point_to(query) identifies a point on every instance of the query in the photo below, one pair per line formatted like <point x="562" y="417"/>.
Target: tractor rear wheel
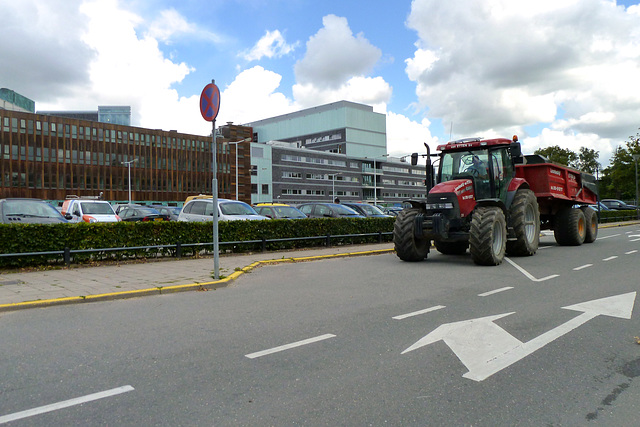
<point x="451" y="248"/>
<point x="524" y="217"/>
<point x="591" y="221"/>
<point x="488" y="237"/>
<point x="408" y="246"/>
<point x="570" y="227"/>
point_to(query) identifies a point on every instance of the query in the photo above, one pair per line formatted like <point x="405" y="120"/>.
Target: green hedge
<point x="615" y="216"/>
<point x="25" y="238"/>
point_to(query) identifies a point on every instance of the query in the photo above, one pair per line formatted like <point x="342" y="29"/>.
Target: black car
<point x="171" y="211"/>
<point x="618" y="205"/>
<point x="28" y="211"/>
<point x="141" y="213"/>
<point x="367" y="210"/>
<point x="328" y="210"/>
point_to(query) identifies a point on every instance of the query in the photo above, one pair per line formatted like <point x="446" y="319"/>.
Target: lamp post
<point x="333" y="189"/>
<point x="375" y="188"/>
<point x="129" y="172"/>
<point x="236" y="144"/>
<point x="635" y="159"/>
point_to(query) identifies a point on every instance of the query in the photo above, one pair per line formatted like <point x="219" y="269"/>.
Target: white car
<point x="83" y="210"/>
<point x="228" y="210"/>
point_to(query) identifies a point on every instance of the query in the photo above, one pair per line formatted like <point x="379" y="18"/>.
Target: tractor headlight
<point x="432" y="206"/>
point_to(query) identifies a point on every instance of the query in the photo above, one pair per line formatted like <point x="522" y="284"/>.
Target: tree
<point x="621" y="174"/>
<point x="588" y="160"/>
<point x="556" y="154"/>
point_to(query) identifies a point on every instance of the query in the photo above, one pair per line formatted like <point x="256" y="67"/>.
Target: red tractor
<point x="494" y="201"/>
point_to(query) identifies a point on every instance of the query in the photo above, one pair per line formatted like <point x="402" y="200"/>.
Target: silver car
<point x="228" y="210"/>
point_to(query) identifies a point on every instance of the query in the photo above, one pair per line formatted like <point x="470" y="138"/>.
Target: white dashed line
<point x="495" y="291"/>
<point x="64" y="404"/>
<point x="583" y="267"/>
<point x="289" y="346"/>
<point x="610" y="258"/>
<point x="607" y="237"/>
<point x="631" y="252"/>
<point x="416" y="313"/>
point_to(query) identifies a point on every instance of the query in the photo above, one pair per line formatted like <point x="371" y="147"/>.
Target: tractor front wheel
<point x="408" y="246"/>
<point x="488" y="237"/>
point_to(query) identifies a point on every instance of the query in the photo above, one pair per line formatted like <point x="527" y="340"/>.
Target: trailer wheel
<point x="409" y="247"/>
<point x="524" y="217"/>
<point x="591" y="221"/>
<point x="488" y="238"/>
<point x="451" y="248"/>
<point x="570" y="227"/>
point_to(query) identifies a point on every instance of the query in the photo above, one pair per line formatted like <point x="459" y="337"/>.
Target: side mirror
<point x="414" y="159"/>
<point x="516" y="150"/>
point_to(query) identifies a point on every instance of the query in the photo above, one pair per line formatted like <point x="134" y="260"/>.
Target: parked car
<point x="367" y="210"/>
<point x="279" y="211"/>
<point x="328" y="210"/>
<point x="28" y="211"/>
<point x="618" y="205"/>
<point x="392" y="210"/>
<point x="600" y="206"/>
<point x="141" y="213"/>
<point x="89" y="210"/>
<point x="228" y="210"/>
<point x="171" y="211"/>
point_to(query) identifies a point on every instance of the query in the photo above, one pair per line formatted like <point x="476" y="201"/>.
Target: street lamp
<point x="635" y="159"/>
<point x="236" y="144"/>
<point x="333" y="190"/>
<point x="375" y="189"/>
<point x="129" y="170"/>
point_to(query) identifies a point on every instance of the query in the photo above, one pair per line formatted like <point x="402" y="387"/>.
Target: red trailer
<point x="490" y="199"/>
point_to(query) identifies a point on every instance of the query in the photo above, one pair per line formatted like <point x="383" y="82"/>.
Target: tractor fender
<point x="491" y="202"/>
<point x="416" y="205"/>
<point x="515" y="185"/>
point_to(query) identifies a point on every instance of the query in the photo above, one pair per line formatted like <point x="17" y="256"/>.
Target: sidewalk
<point x="46" y="288"/>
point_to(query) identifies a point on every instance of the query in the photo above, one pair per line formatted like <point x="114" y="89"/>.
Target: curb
<point x="206" y="286"/>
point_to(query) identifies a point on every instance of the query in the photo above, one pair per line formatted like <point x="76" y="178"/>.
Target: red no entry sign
<point x="210" y="102"/>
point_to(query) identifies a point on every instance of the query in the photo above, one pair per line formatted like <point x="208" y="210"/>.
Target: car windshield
<point x="147" y="211"/>
<point x="93" y="208"/>
<point x="343" y="210"/>
<point x="30" y="208"/>
<point x="236" y="208"/>
<point x="288" y="212"/>
<point x="371" y="210"/>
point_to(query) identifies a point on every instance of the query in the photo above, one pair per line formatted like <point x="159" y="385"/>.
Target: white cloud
<point x="334" y="55"/>
<point x="405" y="136"/>
<point x="168" y="24"/>
<point x="500" y="65"/>
<point x="271" y="45"/>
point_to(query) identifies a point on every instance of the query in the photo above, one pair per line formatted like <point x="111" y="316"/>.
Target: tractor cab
<point x="488" y="164"/>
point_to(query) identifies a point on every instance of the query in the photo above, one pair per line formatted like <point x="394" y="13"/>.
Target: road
<point x="542" y="340"/>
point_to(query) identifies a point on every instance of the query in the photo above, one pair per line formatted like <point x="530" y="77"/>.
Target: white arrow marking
<point x="485" y="348"/>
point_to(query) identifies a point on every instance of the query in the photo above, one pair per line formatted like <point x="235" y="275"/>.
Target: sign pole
<point x="209" y="107"/>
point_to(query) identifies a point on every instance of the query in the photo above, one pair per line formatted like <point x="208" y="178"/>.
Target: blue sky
<point x="555" y="72"/>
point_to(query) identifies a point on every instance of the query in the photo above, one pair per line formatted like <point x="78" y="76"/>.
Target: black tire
<point x="451" y="248"/>
<point x="524" y="217"/>
<point x="488" y="237"/>
<point x="570" y="227"/>
<point x="408" y="247"/>
<point x="591" y="222"/>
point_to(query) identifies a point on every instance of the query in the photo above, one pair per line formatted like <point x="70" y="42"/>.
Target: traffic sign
<point x="210" y="102"/>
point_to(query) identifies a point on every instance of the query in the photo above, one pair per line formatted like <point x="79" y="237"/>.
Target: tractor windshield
<point x="486" y="168"/>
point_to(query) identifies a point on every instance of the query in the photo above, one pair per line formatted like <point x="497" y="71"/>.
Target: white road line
<point x="631" y="252"/>
<point x="495" y="291"/>
<point x="583" y="267"/>
<point x="606" y="237"/>
<point x="634" y="240"/>
<point x="610" y="258"/>
<point x="526" y="273"/>
<point x="64" y="404"/>
<point x="288" y="346"/>
<point x="416" y="313"/>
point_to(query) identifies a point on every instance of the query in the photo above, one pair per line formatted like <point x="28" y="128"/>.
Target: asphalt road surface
<point x="542" y="340"/>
